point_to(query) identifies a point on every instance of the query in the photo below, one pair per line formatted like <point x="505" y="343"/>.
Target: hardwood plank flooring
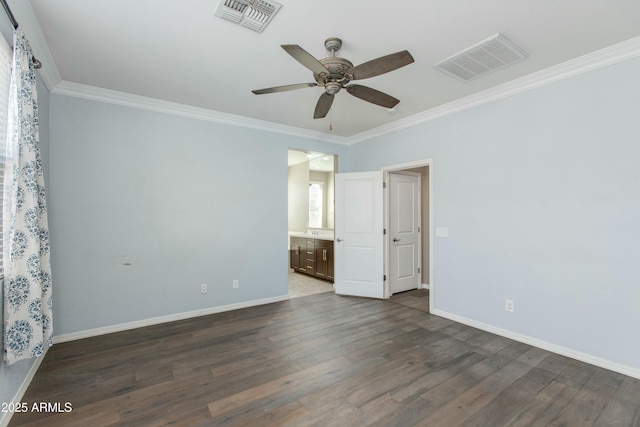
<point x="417" y="298"/>
<point x="323" y="360"/>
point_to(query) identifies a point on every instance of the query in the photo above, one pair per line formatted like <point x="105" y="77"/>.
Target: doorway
<point x="310" y="222"/>
<point x="362" y="241"/>
<point x="405" y="231"/>
<point x="423" y="169"/>
<point x="423" y="239"/>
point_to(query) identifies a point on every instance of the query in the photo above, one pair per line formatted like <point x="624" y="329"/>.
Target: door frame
<point x="398" y="168"/>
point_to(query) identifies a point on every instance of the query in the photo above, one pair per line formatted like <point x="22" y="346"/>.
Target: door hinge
<point x="418" y="229"/>
<point x="384" y="231"/>
<point x="418" y="269"/>
<point x="384" y="278"/>
<point x="384" y="184"/>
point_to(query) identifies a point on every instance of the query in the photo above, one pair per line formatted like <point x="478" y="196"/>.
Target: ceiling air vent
<point x="253" y="14"/>
<point x="492" y="54"/>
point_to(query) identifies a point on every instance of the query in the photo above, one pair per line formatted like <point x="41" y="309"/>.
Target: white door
<point x="359" y="262"/>
<point x="404" y="232"/>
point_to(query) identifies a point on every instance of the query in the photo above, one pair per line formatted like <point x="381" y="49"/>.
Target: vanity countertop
<point x="322" y="236"/>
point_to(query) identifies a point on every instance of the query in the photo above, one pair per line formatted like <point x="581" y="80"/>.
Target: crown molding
<point x="52" y="79"/>
<point x="605" y="57"/>
<point x="93" y="93"/>
<point x="49" y="73"/>
<point x="610" y="55"/>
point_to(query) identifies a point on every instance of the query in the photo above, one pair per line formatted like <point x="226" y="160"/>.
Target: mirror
<point x="311" y="182"/>
<point x="316" y="205"/>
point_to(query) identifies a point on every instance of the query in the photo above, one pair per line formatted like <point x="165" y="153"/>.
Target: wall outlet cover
<point x="509" y="305"/>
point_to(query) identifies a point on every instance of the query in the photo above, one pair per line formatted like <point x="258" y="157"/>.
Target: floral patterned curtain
<point x="27" y="283"/>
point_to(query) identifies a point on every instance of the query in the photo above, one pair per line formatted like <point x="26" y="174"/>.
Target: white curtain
<point x="27" y="286"/>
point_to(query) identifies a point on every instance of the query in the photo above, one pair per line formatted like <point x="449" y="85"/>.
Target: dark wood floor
<point x="417" y="298"/>
<point x="323" y="360"/>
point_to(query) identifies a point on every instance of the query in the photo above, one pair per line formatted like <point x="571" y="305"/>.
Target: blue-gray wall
<point x="541" y="195"/>
<point x="184" y="201"/>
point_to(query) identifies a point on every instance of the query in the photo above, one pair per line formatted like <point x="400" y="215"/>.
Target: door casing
<point x="387" y="241"/>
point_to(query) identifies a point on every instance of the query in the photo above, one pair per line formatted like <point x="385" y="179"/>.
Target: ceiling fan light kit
<point x="335" y="73"/>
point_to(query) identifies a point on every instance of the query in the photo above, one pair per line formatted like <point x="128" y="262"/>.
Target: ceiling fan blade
<point x="305" y="58"/>
<point x="381" y="65"/>
<point x="323" y="106"/>
<point x="283" y="88"/>
<point x="373" y="96"/>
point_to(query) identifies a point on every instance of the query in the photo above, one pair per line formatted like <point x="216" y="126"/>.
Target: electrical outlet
<point x="509" y="305"/>
<point x="235" y="284"/>
<point x="203" y="288"/>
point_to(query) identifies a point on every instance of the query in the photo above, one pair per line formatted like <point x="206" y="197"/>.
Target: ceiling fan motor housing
<point x="332" y="88"/>
<point x="336" y="79"/>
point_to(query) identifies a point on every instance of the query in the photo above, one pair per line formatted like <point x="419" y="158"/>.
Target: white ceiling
<point x="178" y="51"/>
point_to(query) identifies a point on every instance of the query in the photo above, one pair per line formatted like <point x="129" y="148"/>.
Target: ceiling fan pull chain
<point x="330" y="120"/>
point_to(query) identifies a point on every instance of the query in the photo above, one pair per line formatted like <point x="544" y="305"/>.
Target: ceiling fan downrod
<point x="333" y="44"/>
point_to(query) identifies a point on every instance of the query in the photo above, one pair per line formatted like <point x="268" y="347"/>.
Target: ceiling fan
<point x="335" y="73"/>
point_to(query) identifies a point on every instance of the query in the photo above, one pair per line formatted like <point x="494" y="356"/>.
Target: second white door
<point x="404" y="231"/>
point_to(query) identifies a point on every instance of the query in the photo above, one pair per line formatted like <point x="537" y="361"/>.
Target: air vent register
<point x="490" y="55"/>
<point x="253" y="14"/>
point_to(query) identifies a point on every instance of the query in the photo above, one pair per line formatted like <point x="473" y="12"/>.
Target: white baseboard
<point x="5" y="417"/>
<point x="163" y="319"/>
<point x="545" y="345"/>
<point x="425" y="286"/>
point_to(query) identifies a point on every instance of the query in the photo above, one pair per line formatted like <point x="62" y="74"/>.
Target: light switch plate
<point x="442" y="232"/>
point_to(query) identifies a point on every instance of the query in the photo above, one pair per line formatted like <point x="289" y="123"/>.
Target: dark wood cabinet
<point x="312" y="256"/>
<point x="324" y="259"/>
<point x="310" y="260"/>
<point x="298" y="253"/>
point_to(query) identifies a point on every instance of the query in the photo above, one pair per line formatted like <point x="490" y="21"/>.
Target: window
<point x="315" y="204"/>
<point x="6" y="59"/>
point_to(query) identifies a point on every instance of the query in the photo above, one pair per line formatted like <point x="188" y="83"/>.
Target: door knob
<point x="338" y="240"/>
<point x="395" y="239"/>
